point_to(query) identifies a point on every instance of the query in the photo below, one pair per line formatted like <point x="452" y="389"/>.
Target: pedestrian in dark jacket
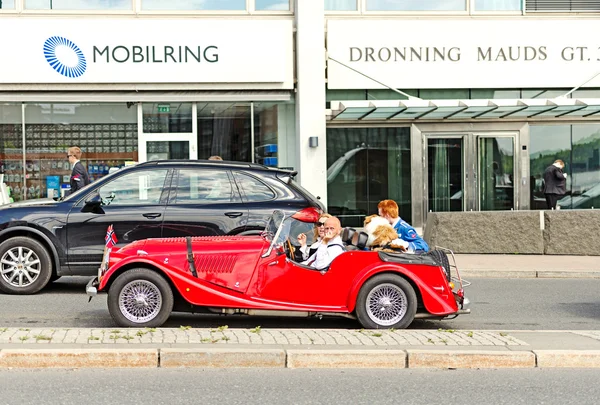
<point x="554" y="183"/>
<point x="79" y="175"/>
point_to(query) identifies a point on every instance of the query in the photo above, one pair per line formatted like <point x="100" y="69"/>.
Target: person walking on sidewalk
<point x="79" y="176"/>
<point x="554" y="183"/>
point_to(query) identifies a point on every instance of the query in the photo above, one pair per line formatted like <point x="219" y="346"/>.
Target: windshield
<point x="281" y="228"/>
<point x="273" y="225"/>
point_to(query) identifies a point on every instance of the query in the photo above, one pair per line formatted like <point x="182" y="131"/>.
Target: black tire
<point x="148" y="284"/>
<point x="378" y="288"/>
<point x="25" y="266"/>
<point x="442" y="259"/>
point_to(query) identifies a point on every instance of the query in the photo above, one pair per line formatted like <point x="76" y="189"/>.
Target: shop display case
<point x="44" y="171"/>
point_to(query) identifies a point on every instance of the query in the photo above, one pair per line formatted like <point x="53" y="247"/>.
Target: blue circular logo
<point x="71" y="70"/>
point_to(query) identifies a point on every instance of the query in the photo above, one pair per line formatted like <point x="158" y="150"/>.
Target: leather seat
<point x="347" y="234"/>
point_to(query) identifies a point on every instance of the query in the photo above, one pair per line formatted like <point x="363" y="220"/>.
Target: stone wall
<point x="564" y="232"/>
<point x="574" y="232"/>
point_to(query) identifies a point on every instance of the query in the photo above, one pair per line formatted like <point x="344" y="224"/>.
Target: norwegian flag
<point x="111" y="238"/>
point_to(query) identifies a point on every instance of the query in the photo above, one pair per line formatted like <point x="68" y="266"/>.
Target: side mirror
<point x="93" y="204"/>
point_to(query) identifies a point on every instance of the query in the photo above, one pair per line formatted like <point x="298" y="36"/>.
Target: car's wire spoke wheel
<point x="20" y="266"/>
<point x="386" y="304"/>
<point x="140" y="297"/>
<point x="386" y="301"/>
<point x="140" y="301"/>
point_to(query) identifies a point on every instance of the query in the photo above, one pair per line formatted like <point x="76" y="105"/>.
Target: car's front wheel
<point x="140" y="298"/>
<point x="386" y="301"/>
<point x="25" y="266"/>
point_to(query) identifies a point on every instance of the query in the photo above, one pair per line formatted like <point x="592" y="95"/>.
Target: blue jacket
<point x="408" y="234"/>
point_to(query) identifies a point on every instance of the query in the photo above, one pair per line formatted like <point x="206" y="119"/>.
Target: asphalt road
<point x="279" y="386"/>
<point x="523" y="304"/>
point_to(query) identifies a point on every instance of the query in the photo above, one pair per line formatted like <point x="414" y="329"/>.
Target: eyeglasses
<point x="319" y="224"/>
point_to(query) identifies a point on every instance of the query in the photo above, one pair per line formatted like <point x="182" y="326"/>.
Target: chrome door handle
<point x="234" y="214"/>
<point x="152" y="215"/>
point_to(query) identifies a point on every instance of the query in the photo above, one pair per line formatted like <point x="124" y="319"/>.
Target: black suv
<point x="41" y="240"/>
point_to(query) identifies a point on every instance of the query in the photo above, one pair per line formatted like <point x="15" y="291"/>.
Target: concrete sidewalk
<point x="295" y="348"/>
<point x="528" y="266"/>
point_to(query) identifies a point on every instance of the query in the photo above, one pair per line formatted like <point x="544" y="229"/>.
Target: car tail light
<point x="310" y="214"/>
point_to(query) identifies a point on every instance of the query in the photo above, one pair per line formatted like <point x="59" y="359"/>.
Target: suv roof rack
<point x="228" y="163"/>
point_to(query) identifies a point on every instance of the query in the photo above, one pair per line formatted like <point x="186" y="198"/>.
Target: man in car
<point x="330" y="248"/>
<point x="388" y="209"/>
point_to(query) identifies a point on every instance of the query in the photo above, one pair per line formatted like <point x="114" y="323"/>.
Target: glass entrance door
<point x="445" y="173"/>
<point x="496" y="169"/>
<point x="167" y="131"/>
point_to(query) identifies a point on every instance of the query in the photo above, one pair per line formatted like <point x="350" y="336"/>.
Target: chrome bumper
<point x="91" y="288"/>
<point x="466" y="303"/>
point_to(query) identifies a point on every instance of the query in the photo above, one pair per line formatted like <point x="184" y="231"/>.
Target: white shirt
<point x="325" y="254"/>
<point x="306" y="249"/>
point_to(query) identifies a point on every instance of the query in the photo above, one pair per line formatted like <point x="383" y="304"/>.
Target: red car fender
<point x="436" y="295"/>
<point x="128" y="260"/>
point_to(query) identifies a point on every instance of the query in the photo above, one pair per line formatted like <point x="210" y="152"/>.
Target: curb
<point x="346" y="359"/>
<point x="295" y="358"/>
<point x="469" y="359"/>
<point x="78" y="358"/>
<point x="491" y="273"/>
<point x="222" y="358"/>
<point x="567" y="358"/>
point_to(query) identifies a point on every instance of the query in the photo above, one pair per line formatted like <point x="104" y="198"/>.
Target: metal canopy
<point x="413" y="109"/>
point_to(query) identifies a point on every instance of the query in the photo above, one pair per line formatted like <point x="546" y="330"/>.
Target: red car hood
<point x="201" y="245"/>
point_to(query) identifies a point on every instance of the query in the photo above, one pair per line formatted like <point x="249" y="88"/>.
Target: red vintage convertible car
<point x="255" y="275"/>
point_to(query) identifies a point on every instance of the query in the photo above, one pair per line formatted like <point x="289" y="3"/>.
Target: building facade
<point x="441" y="105"/>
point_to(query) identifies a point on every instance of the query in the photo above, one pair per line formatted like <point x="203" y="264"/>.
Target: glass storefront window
<point x="340" y="5"/>
<point x="586" y="93"/>
<point x="207" y="5"/>
<point x="542" y="93"/>
<point x="365" y="166"/>
<point x="162" y="150"/>
<point x="416" y="5"/>
<point x="7" y="5"/>
<point x="78" y="4"/>
<point x="224" y="130"/>
<point x="106" y="133"/>
<point x="444" y="94"/>
<point x="445" y="174"/>
<point x="496" y="173"/>
<point x="497" y="5"/>
<point x="11" y="150"/>
<point x="494" y="93"/>
<point x="164" y="118"/>
<point x="579" y="147"/>
<point x="272" y="5"/>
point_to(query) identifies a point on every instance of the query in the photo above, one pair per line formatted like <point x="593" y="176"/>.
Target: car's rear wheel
<point x="386" y="301"/>
<point x="140" y="298"/>
<point x="25" y="266"/>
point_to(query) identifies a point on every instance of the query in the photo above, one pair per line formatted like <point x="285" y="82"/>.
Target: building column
<point x="310" y="96"/>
